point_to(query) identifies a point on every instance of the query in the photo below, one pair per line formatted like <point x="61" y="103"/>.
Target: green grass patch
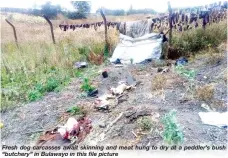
<point x="172" y="133"/>
<point x="192" y="41"/>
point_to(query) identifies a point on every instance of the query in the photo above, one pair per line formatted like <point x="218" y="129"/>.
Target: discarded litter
<point x="92" y="93"/>
<point x="105" y="74"/>
<point x="117" y="61"/>
<point x="214" y="118"/>
<point x="88" y="88"/>
<point x="102" y="125"/>
<point x="159" y="69"/>
<point x="131" y="81"/>
<point x="205" y="106"/>
<point x="80" y="65"/>
<point x="104" y="108"/>
<point x="181" y="61"/>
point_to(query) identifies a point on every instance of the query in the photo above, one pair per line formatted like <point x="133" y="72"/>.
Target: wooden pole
<point x="51" y="27"/>
<point x="105" y="24"/>
<point x="170" y="23"/>
<point x="14" y="31"/>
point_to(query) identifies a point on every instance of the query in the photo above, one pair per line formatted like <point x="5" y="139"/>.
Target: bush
<point x="205" y="92"/>
<point x="198" y="39"/>
<point x="158" y="82"/>
<point x="74" y="110"/>
<point x="52" y="84"/>
<point x="86" y="86"/>
<point x="145" y="123"/>
<point x="189" y="74"/>
<point x="172" y="133"/>
<point x="34" y="95"/>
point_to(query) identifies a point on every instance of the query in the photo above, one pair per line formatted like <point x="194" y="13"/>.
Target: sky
<point x="157" y="5"/>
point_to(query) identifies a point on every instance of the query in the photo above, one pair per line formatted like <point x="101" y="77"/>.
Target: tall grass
<point x="38" y="67"/>
<point x="34" y="69"/>
<point x="195" y="40"/>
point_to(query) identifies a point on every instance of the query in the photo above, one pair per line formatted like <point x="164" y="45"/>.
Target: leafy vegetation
<point x="31" y="71"/>
<point x="38" y="67"/>
<point x="74" y="110"/>
<point x="205" y="93"/>
<point x="86" y="86"/>
<point x="145" y="123"/>
<point x="172" y="134"/>
<point x="82" y="9"/>
<point x="193" y="41"/>
<point x="190" y="74"/>
<point x="158" y="82"/>
<point x="121" y="12"/>
<point x="50" y="10"/>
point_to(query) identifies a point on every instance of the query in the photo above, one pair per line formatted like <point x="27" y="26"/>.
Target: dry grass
<point x="36" y="29"/>
<point x="214" y="56"/>
<point x="145" y="123"/>
<point x="159" y="82"/>
<point x="205" y="93"/>
<point x="193" y="41"/>
<point x="37" y="59"/>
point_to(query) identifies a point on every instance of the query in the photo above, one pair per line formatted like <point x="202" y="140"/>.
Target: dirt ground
<point x="25" y="123"/>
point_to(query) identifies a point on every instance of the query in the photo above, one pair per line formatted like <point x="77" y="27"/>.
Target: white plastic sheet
<point x="137" y="50"/>
<point x="214" y="118"/>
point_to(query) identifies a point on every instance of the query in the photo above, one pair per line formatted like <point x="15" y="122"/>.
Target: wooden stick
<point x="167" y="32"/>
<point x="51" y="27"/>
<point x="14" y="31"/>
<point x="170" y="24"/>
<point x="113" y="122"/>
<point x="134" y="134"/>
<point x="105" y="24"/>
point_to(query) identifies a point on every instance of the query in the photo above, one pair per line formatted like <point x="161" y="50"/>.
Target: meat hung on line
<point x="65" y="27"/>
<point x="181" y="19"/>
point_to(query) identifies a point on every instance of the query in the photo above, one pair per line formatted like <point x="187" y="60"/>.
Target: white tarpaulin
<point x="137" y="50"/>
<point x="214" y="118"/>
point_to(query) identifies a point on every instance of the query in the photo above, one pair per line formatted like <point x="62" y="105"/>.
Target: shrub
<point x="52" y="84"/>
<point x="158" y="82"/>
<point x="172" y="134"/>
<point x="34" y="95"/>
<point x="86" y="86"/>
<point x="75" y="110"/>
<point x="214" y="56"/>
<point x="145" y="123"/>
<point x="205" y="92"/>
<point x="198" y="39"/>
<point x="189" y="74"/>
